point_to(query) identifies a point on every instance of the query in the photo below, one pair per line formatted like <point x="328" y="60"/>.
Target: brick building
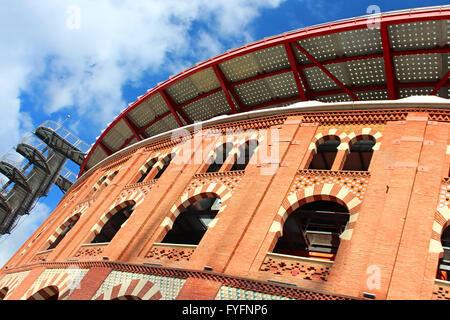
<point x="228" y="181"/>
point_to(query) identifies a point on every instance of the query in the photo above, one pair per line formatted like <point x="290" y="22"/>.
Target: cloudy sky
<point x="90" y="59"/>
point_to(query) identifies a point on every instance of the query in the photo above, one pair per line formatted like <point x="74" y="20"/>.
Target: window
<point x="150" y="165"/>
<point x="166" y="162"/>
<point x="113" y="225"/>
<point x="3" y="293"/>
<point x="47" y="293"/>
<point x="192" y="223"/>
<point x="103" y="182"/>
<point x="246" y="151"/>
<point x="221" y="155"/>
<point x="324" y="157"/>
<point x="313" y="230"/>
<point x="360" y="155"/>
<point x="63" y="233"/>
<point x="444" y="262"/>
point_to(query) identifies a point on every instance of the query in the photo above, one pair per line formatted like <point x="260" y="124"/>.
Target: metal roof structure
<point x="387" y="56"/>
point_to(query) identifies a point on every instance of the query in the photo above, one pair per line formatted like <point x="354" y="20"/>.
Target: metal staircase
<point x="37" y="162"/>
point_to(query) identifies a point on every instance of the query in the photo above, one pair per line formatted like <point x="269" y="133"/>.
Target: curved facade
<point x="339" y="200"/>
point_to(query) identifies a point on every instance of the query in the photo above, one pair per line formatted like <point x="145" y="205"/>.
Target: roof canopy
<point x="389" y="56"/>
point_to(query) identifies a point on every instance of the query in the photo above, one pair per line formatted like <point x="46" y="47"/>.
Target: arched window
<point x="360" y="155"/>
<point x="221" y="154"/>
<point x="99" y="183"/>
<point x="444" y="263"/>
<point x="192" y="223"/>
<point x="324" y="157"/>
<point x="246" y="151"/>
<point x="48" y="293"/>
<point x="3" y="293"/>
<point x="103" y="182"/>
<point x="63" y="233"/>
<point x="313" y="230"/>
<point x="166" y="161"/>
<point x="127" y="297"/>
<point x="113" y="225"/>
<point x="149" y="165"/>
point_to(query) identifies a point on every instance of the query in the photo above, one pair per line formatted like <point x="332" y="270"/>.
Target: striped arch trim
<point x="441" y="217"/>
<point x="106" y="179"/>
<point x="3" y="292"/>
<point x="187" y="199"/>
<point x="61" y="228"/>
<point x="213" y="154"/>
<point x="162" y="159"/>
<point x="326" y="191"/>
<point x="58" y="283"/>
<point x="365" y="133"/>
<point x="135" y="198"/>
<point x="131" y="290"/>
<point x="331" y="134"/>
<point x="149" y="163"/>
<point x="8" y="284"/>
<point x="346" y="139"/>
<point x="35" y="238"/>
<point x="237" y="145"/>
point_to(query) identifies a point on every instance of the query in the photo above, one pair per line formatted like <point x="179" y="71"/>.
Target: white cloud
<point x="24" y="229"/>
<point x="80" y="63"/>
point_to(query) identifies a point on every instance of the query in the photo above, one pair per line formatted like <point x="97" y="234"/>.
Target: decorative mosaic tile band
<point x="170" y="280"/>
<point x="10" y="281"/>
<point x="441" y="216"/>
<point x="296" y="268"/>
<point x="172" y="253"/>
<point x="230" y="180"/>
<point x="230" y="293"/>
<point x="355" y="181"/>
<point x="90" y="251"/>
<point x="65" y="280"/>
<point x="444" y="197"/>
<point x="441" y="291"/>
<point x="168" y="287"/>
<point x="349" y="128"/>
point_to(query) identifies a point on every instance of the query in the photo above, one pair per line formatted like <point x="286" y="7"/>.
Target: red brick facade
<point x="390" y="247"/>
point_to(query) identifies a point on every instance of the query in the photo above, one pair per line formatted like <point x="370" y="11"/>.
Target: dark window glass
<point x="63" y="234"/>
<point x="221" y="155"/>
<point x="313" y="230"/>
<point x="326" y="153"/>
<point x="192" y="223"/>
<point x="113" y="225"/>
<point x="360" y="155"/>
<point x="166" y="164"/>
<point x="245" y="154"/>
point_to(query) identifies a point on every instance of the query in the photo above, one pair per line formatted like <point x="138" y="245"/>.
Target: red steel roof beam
<point x="126" y="142"/>
<point x="388" y="62"/>
<point x="157" y="118"/>
<point x="325" y="70"/>
<point x="133" y="128"/>
<point x="440" y="84"/>
<point x="168" y="101"/>
<point x="199" y="97"/>
<point x="107" y="150"/>
<point x="293" y="63"/>
<point x="224" y="85"/>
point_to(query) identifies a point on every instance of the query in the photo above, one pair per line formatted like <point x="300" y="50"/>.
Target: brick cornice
<point x="227" y="280"/>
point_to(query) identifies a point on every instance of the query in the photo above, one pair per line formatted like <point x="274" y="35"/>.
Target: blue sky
<point x="90" y="59"/>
